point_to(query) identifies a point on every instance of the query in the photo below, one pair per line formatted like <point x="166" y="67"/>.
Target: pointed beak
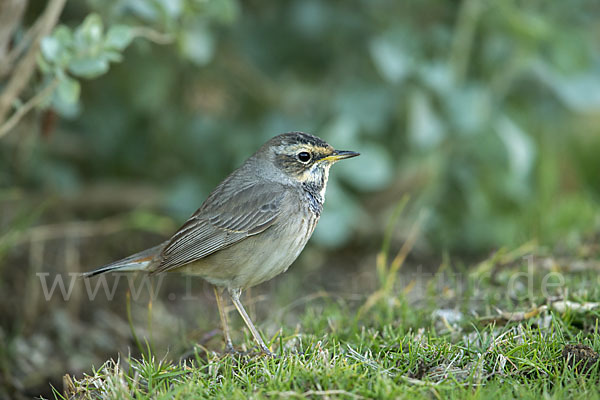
<point x="338" y="155"/>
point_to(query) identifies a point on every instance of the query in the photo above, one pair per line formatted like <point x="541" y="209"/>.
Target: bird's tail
<point x="136" y="262"/>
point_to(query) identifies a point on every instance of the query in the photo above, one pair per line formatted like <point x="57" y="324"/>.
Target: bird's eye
<point x="304" y="156"/>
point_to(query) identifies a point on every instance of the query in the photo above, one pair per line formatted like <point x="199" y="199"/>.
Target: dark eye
<point x="304" y="156"/>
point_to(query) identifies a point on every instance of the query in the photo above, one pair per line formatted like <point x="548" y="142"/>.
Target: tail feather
<point x="136" y="262"/>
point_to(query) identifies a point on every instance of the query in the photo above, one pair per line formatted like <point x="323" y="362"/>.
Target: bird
<point x="251" y="227"/>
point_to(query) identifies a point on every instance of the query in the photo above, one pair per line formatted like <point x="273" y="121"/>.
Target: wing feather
<point x="227" y="217"/>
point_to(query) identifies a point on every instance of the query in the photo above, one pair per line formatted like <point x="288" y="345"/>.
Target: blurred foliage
<point x="486" y="111"/>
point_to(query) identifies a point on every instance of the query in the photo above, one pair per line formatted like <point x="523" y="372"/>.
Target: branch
<point x="152" y="35"/>
<point x="11" y="13"/>
<point x="7" y="63"/>
<point x="31" y="103"/>
<point x="26" y="66"/>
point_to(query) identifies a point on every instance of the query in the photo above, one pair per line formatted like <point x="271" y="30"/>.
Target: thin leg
<point x="235" y="297"/>
<point x="223" y="315"/>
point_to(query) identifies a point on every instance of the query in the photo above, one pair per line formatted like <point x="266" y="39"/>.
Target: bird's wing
<point x="227" y="217"/>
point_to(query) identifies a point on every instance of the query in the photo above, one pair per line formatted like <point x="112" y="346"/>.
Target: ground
<point x="523" y="323"/>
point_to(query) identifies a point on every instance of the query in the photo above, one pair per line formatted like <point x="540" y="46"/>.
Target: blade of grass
<point x="131" y="327"/>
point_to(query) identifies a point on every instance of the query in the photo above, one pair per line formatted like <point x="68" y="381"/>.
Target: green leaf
<point x="198" y="45"/>
<point x="343" y="131"/>
<point x="373" y="170"/>
<point x="90" y="32"/>
<point x="43" y="64"/>
<point x="580" y="92"/>
<point x="519" y="147"/>
<point x="340" y="214"/>
<point x="112" y="55"/>
<point x="64" y="35"/>
<point x="426" y="130"/>
<point x="65" y="99"/>
<point x="50" y="48"/>
<point x="390" y="58"/>
<point x="57" y="47"/>
<point x="172" y="8"/>
<point x="145" y="10"/>
<point x="68" y="90"/>
<point x="477" y="100"/>
<point x="118" y="37"/>
<point x="89" y="67"/>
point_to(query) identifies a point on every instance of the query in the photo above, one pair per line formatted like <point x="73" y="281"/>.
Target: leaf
<point x="372" y="170"/>
<point x="424" y="127"/>
<point x="43" y="64"/>
<point x="90" y="31"/>
<point x="50" y="48"/>
<point x="470" y="108"/>
<point x="68" y="90"/>
<point x="65" y="99"/>
<point x="112" y="55"/>
<point x="337" y="218"/>
<point x="437" y="76"/>
<point x="172" y="8"/>
<point x="57" y="47"/>
<point x="391" y="59"/>
<point x="118" y="37"/>
<point x="89" y="67"/>
<point x="580" y="92"/>
<point x="519" y="147"/>
<point x="343" y="131"/>
<point x="197" y="45"/>
<point x="369" y="105"/>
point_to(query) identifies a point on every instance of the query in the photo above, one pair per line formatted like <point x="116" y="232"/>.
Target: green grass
<point x="481" y="339"/>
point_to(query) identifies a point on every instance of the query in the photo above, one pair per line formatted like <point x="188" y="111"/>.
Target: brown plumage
<point x="253" y="225"/>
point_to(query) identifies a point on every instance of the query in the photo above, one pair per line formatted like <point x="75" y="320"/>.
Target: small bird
<point x="252" y="226"/>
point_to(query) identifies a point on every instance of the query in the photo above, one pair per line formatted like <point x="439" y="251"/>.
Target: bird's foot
<point x="267" y="352"/>
<point x="229" y="349"/>
<point x="262" y="351"/>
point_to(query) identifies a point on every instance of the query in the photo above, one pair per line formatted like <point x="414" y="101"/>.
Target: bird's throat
<point x="315" y="190"/>
<point x="315" y="200"/>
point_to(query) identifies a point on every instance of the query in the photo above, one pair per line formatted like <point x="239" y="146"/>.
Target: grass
<point x="512" y="327"/>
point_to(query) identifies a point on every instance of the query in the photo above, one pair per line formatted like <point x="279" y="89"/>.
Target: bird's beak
<point x="338" y="155"/>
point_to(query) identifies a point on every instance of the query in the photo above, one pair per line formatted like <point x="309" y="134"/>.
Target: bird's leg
<point x="223" y="315"/>
<point x="235" y="297"/>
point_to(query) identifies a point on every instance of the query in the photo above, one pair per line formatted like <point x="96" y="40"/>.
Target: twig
<point x="26" y="66"/>
<point x="72" y="229"/>
<point x="10" y="58"/>
<point x="11" y="13"/>
<point x="153" y="35"/>
<point x="25" y="108"/>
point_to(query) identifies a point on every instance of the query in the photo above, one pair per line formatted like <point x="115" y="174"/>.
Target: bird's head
<point x="304" y="158"/>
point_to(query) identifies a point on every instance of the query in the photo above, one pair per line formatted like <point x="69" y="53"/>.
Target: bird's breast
<point x="279" y="246"/>
<point x="261" y="257"/>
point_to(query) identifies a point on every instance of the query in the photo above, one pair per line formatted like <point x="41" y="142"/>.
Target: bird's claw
<point x="267" y="352"/>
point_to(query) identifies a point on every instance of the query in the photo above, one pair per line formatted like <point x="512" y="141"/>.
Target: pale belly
<point x="257" y="258"/>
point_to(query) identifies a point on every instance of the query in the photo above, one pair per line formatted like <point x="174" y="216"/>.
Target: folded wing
<point x="227" y="217"/>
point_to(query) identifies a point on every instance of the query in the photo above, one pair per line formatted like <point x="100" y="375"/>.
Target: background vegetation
<point x="118" y="117"/>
